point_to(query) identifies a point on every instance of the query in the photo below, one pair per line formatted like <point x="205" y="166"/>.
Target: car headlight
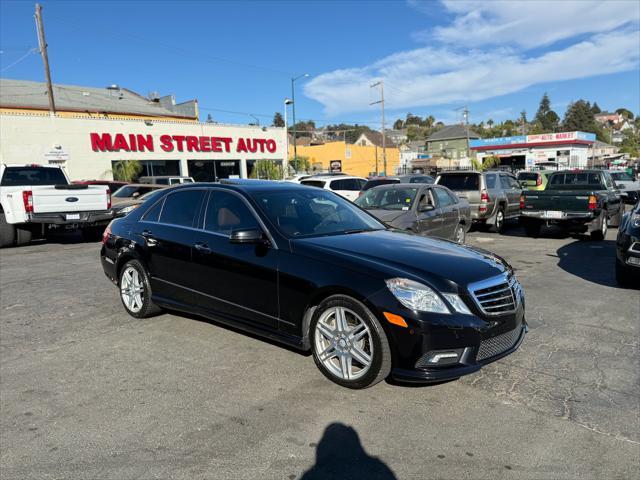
<point x="457" y="303"/>
<point x="635" y="219"/>
<point x="416" y="296"/>
<point x="128" y="209"/>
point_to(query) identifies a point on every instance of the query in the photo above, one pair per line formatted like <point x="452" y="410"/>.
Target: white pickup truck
<point x="37" y="198"/>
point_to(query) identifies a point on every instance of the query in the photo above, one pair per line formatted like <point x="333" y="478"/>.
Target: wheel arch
<point x="126" y="254"/>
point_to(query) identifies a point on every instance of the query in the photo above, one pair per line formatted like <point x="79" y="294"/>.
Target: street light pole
<point x="285" y="160"/>
<point x="293" y="102"/>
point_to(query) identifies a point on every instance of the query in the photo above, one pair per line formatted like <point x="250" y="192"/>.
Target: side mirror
<point x="247" y="236"/>
<point x="427" y="208"/>
<point x="523" y="184"/>
<point x="620" y="186"/>
<point x="135" y="195"/>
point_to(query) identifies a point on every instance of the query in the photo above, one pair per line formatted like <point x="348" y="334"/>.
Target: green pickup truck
<point x="578" y="200"/>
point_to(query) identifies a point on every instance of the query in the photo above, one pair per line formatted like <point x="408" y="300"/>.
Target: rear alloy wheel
<point x="601" y="233"/>
<point x="498" y="225"/>
<point x="349" y="345"/>
<point x="135" y="290"/>
<point x="459" y="235"/>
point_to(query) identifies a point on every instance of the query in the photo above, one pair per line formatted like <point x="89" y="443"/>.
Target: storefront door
<point x="213" y="170"/>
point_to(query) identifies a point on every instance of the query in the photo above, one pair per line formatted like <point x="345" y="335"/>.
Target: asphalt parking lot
<point x="88" y="392"/>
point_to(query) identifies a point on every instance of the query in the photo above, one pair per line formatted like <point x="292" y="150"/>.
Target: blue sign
<point x="490" y="142"/>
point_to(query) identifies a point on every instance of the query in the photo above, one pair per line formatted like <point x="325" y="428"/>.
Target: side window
<point x="227" y="212"/>
<point x="490" y="178"/>
<point x="153" y="214"/>
<point x="504" y="182"/>
<point x="453" y="197"/>
<point x="352" y="184"/>
<point x="514" y="183"/>
<point x="180" y="208"/>
<point x="608" y="181"/>
<point x="444" y="199"/>
<point x="337" y="185"/>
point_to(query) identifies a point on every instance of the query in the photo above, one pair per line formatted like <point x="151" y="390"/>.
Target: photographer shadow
<point x="340" y="455"/>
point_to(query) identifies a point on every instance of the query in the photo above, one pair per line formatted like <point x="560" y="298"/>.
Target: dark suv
<point x="493" y="196"/>
<point x="305" y="267"/>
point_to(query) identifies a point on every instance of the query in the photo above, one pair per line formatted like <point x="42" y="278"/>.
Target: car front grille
<point x="498" y="344"/>
<point x="497" y="295"/>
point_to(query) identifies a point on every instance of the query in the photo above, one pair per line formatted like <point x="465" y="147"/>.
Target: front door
<point x="512" y="190"/>
<point x="448" y="211"/>
<point x="429" y="217"/>
<point x="236" y="280"/>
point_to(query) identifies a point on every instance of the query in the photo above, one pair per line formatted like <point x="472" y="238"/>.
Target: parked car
<point x="577" y="200"/>
<point x="112" y="184"/>
<point x="629" y="188"/>
<point x="425" y="209"/>
<point x="128" y="205"/>
<point x="133" y="191"/>
<point x="628" y="248"/>
<point x="37" y="198"/>
<point x="298" y="178"/>
<point x="534" y="180"/>
<point x="376" y="181"/>
<point x="323" y="275"/>
<point x="493" y="196"/>
<point x="165" y="179"/>
<point x="344" y="185"/>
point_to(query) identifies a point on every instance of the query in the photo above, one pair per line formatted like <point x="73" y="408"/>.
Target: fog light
<point x="442" y="357"/>
<point x="634" y="261"/>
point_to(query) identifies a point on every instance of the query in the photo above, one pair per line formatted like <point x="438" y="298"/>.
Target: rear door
<point x="167" y="231"/>
<point x="448" y="212"/>
<point x="238" y="280"/>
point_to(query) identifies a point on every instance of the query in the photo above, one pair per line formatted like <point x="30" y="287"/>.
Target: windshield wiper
<point x="360" y="230"/>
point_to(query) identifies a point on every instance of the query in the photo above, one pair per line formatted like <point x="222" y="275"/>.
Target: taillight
<point x="27" y="199"/>
<point x="539" y="180"/>
<point x="484" y="198"/>
<point x="108" y="199"/>
<point x="106" y="234"/>
<point x="521" y="202"/>
<point x="593" y="202"/>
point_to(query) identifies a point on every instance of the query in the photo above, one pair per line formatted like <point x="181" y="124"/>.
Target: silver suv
<point x="493" y="196"/>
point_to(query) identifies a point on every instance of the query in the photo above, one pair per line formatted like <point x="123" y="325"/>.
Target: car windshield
<point x="311" y="213"/>
<point x="33" y="176"/>
<point x="381" y="181"/>
<point x="126" y="191"/>
<point x="388" y="198"/>
<point x="460" y="182"/>
<point x="621" y="176"/>
<point x="150" y="195"/>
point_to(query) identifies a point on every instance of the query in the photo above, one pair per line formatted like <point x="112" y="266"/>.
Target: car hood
<point x="387" y="216"/>
<point x="393" y="252"/>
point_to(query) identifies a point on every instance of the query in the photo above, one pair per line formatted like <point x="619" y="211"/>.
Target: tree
<point x="488" y="162"/>
<point x="595" y="108"/>
<point x="398" y="124"/>
<point x="126" y="170"/>
<point x="490" y="122"/>
<point x="300" y="164"/>
<point x="209" y="118"/>
<point x="266" y="170"/>
<point x="278" y="121"/>
<point x="546" y="118"/>
<point x="631" y="142"/>
<point x="625" y="113"/>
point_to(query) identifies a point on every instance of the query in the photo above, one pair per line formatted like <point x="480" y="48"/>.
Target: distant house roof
<point x="599" y="144"/>
<point x="452" y="132"/>
<point x="376" y="138"/>
<point x="33" y="95"/>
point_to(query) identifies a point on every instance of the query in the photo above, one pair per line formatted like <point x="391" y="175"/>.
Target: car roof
<point x="243" y="184"/>
<point x="333" y="177"/>
<point x="145" y="185"/>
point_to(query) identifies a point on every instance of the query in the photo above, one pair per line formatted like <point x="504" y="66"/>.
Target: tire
<point x="134" y="276"/>
<point x="498" y="225"/>
<point x="343" y="351"/>
<point x="601" y="232"/>
<point x="92" y="234"/>
<point x="459" y="235"/>
<point x="624" y="276"/>
<point x="532" y="228"/>
<point x="23" y="236"/>
<point x="7" y="232"/>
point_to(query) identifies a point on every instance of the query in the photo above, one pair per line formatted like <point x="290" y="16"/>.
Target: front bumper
<point x="73" y="219"/>
<point x="479" y="339"/>
<point x="628" y="250"/>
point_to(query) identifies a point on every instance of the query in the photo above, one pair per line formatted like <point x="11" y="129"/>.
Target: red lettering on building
<point x="205" y="144"/>
<point x="271" y="146"/>
<point x="241" y="145"/>
<point x="145" y="142"/>
<point x="120" y="143"/>
<point x="179" y="139"/>
<point x="166" y="144"/>
<point x="192" y="144"/>
<point x="227" y="143"/>
<point x="215" y="145"/>
<point x="101" y="142"/>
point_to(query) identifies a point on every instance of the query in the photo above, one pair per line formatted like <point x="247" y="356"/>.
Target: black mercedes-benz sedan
<point x="628" y="248"/>
<point x="305" y="267"/>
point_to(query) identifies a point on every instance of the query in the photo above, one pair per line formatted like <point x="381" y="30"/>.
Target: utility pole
<point x="45" y="58"/>
<point x="466" y="123"/>
<point x="384" y="137"/>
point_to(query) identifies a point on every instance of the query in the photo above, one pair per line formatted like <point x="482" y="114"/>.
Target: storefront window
<point x="264" y="169"/>
<point x="149" y="168"/>
<point x="213" y="170"/>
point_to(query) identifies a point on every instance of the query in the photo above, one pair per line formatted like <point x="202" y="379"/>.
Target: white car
<point x="629" y="188"/>
<point x="34" y="198"/>
<point x="344" y="185"/>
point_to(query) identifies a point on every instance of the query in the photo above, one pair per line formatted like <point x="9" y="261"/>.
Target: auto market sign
<point x="105" y="142"/>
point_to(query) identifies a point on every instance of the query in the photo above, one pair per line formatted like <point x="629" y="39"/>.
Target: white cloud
<point x="530" y="23"/>
<point x="443" y="74"/>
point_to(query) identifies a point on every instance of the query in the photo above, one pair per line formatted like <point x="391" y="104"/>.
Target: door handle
<point x="202" y="248"/>
<point x="148" y="236"/>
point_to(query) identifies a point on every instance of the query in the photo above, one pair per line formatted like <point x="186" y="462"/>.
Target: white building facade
<point x="88" y="148"/>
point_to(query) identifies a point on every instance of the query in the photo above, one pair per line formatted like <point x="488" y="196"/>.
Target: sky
<point x="434" y="57"/>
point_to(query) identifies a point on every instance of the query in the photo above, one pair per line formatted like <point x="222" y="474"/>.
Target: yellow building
<point x="358" y="160"/>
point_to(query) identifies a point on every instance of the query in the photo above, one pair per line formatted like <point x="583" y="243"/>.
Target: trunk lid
<point x="68" y="198"/>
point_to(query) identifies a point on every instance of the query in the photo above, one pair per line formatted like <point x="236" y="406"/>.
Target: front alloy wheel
<point x="459" y="235"/>
<point x="349" y="344"/>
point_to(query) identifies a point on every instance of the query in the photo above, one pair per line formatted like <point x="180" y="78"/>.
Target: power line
<point x="24" y="57"/>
